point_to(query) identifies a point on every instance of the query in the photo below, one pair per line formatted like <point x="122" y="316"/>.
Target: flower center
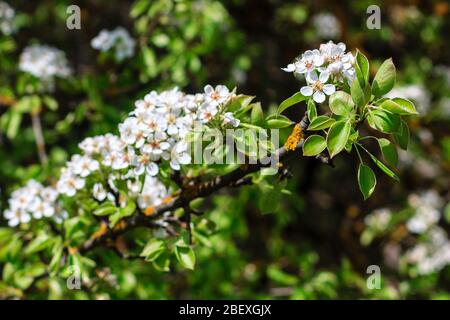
<point x="318" y="86"/>
<point x="215" y="95"/>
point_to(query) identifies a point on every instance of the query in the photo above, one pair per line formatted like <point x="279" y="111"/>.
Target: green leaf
<point x="50" y="102"/>
<point x="13" y="120"/>
<point x="57" y="253"/>
<point x="320" y="123"/>
<point x="139" y="8"/>
<point x="337" y="137"/>
<point x="240" y="104"/>
<point x="278" y="122"/>
<point x="128" y="210"/>
<point x="354" y="135"/>
<point x="277" y="275"/>
<point x="341" y="103"/>
<point x="389" y="151"/>
<point x="105" y="209"/>
<point x="186" y="256"/>
<point x="162" y="263"/>
<point x="402" y="136"/>
<point x="384" y="79"/>
<point x="366" y="180"/>
<point x="314" y="145"/>
<point x="257" y="115"/>
<point x="399" y="106"/>
<point x="360" y="95"/>
<point x="153" y="249"/>
<point x="311" y="110"/>
<point x="39" y="243"/>
<point x="383" y="121"/>
<point x="384" y="168"/>
<point x="289" y="102"/>
<point x="151" y="65"/>
<point x="362" y="69"/>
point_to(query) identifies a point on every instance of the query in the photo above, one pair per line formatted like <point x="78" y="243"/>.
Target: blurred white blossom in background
<point x="44" y="62"/>
<point x="428" y="245"/>
<point x="327" y="25"/>
<point x="7" y="15"/>
<point x="432" y="254"/>
<point x="379" y="218"/>
<point x="118" y="41"/>
<point x="426" y="205"/>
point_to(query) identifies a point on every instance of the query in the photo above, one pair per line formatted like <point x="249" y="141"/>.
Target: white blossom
<point x="45" y="63"/>
<point x="31" y="201"/>
<point x="330" y="63"/>
<point x="99" y="192"/>
<point x="118" y="40"/>
<point x="228" y="118"/>
<point x="7" y="15"/>
<point x="153" y="192"/>
<point x="158" y="129"/>
<point x="426" y="206"/>
<point x="327" y="25"/>
<point x="379" y="219"/>
<point x="317" y="87"/>
<point x="307" y="63"/>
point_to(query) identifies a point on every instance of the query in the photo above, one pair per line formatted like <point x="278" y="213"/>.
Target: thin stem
<point x="357" y="151"/>
<point x="367" y="137"/>
<point x="39" y="137"/>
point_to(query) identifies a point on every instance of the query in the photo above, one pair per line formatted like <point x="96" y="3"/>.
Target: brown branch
<point x="180" y="200"/>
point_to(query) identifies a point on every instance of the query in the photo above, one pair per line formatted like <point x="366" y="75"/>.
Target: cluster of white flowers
<point x="427" y="214"/>
<point x="324" y="68"/>
<point x="152" y="194"/>
<point x="45" y="63"/>
<point x="109" y="156"/>
<point x="157" y="130"/>
<point x="118" y="40"/>
<point x="6" y="18"/>
<point x="32" y="201"/>
<point x="107" y="150"/>
<point x="433" y="254"/>
<point x="379" y="219"/>
<point x="327" y="26"/>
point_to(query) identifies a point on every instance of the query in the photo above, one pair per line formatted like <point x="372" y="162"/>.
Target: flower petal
<point x="319" y="97"/>
<point x="306" y="91"/>
<point x="324" y="76"/>
<point x="290" y="68"/>
<point x="152" y="169"/>
<point x="329" y="89"/>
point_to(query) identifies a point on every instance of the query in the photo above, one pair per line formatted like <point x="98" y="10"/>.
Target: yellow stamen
<point x="294" y="138"/>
